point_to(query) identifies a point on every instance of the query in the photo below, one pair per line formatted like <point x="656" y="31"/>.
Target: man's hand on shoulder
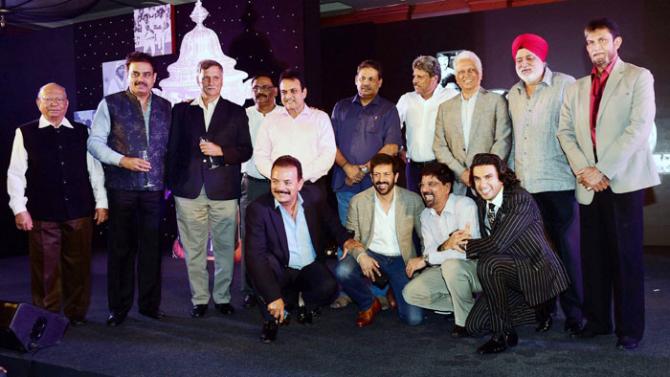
<point x="23" y="221"/>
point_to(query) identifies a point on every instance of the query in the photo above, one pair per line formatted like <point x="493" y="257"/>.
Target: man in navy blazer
<point x="209" y="140"/>
<point x="285" y="247"/>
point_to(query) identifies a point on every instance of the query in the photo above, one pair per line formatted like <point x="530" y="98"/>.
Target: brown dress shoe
<point x="366" y="317"/>
<point x="390" y="296"/>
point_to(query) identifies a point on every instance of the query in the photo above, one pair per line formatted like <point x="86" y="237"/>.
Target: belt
<point x="420" y="164"/>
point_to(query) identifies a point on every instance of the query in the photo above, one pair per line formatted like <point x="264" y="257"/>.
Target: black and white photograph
<point x="446" y="60"/>
<point x="114" y="77"/>
<point x="153" y="30"/>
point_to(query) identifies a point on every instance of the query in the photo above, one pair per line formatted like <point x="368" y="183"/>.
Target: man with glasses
<point x="254" y="184"/>
<point x="129" y="136"/>
<point x="54" y="186"/>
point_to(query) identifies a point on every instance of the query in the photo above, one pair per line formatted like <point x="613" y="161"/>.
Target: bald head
<point x="52" y="102"/>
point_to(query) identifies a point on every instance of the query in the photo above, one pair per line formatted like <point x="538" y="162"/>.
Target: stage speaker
<point x="25" y="327"/>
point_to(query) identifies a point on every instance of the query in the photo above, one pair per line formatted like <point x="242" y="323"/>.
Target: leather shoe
<point x="627" y="343"/>
<point x="459" y="332"/>
<point x="366" y="317"/>
<point x="544" y="324"/>
<point x="199" y="310"/>
<point x="390" y="296"/>
<point x="75" y="322"/>
<point x="249" y="301"/>
<point x="572" y="326"/>
<point x="269" y="332"/>
<point x="499" y="343"/>
<point x="225" y="309"/>
<point x="304" y="316"/>
<point x="155" y="314"/>
<point x="116" y="319"/>
<point x="587" y="332"/>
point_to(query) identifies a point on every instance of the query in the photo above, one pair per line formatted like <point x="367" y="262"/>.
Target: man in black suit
<point x="285" y="247"/>
<point x="518" y="270"/>
<point x="209" y="139"/>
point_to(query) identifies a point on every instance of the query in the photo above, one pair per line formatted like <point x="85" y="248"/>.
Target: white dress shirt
<point x="208" y="110"/>
<point x="467" y="109"/>
<point x="256" y="118"/>
<point x="384" y="235"/>
<point x="308" y="137"/>
<point x="418" y="115"/>
<point x="436" y="228"/>
<point x="18" y="165"/>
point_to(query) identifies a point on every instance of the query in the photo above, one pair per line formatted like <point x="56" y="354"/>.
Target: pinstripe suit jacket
<point x="519" y="232"/>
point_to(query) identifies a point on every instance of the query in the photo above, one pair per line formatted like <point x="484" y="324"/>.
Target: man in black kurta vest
<point x="129" y="136"/>
<point x="52" y="184"/>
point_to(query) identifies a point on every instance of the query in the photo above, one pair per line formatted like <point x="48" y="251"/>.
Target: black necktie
<point x="491" y="215"/>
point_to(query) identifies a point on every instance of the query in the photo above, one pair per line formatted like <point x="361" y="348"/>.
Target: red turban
<point x="533" y="43"/>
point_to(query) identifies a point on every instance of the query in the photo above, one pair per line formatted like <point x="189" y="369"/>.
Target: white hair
<point x="466" y="54"/>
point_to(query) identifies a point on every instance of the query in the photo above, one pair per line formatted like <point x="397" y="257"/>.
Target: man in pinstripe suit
<point x="517" y="268"/>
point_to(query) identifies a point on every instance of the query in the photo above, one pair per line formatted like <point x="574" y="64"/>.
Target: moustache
<point x="282" y="192"/>
<point x="139" y="83"/>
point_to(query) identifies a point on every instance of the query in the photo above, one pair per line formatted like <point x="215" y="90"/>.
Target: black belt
<point x="247" y="176"/>
<point x="420" y="164"/>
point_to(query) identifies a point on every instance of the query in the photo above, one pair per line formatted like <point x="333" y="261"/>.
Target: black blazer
<point x="266" y="246"/>
<point x="519" y="232"/>
<point x="187" y="169"/>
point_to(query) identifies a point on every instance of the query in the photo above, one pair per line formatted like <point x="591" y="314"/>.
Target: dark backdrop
<point x="645" y="30"/>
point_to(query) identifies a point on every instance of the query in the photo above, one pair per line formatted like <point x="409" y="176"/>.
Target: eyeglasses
<point x="262" y="88"/>
<point x="58" y="100"/>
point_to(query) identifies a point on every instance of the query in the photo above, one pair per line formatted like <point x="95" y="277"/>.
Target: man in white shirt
<point x="383" y="218"/>
<point x="477" y="121"/>
<point x="254" y="184"/>
<point x="54" y="185"/>
<point x="447" y="280"/>
<point x="297" y="130"/>
<point x="418" y="110"/>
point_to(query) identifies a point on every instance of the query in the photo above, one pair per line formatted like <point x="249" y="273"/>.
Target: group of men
<point x="466" y="236"/>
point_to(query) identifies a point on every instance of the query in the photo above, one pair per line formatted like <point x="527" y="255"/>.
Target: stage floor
<point x="333" y="346"/>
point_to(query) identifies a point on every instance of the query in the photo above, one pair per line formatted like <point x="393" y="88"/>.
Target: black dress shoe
<point x="199" y="310"/>
<point x="304" y="316"/>
<point x="249" y="300"/>
<point x="74" y="322"/>
<point x="572" y="326"/>
<point x="544" y="324"/>
<point x="269" y="332"/>
<point x="459" y="332"/>
<point x="499" y="343"/>
<point x="226" y="308"/>
<point x="588" y="332"/>
<point x="116" y="319"/>
<point x="627" y="343"/>
<point x="155" y="314"/>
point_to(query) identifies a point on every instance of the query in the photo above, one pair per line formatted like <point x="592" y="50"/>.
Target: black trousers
<point x="316" y="283"/>
<point x="501" y="306"/>
<point x="134" y="234"/>
<point x="612" y="228"/>
<point x="560" y="214"/>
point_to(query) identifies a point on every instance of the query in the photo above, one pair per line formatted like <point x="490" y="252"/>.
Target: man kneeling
<point x="447" y="279"/>
<point x="285" y="243"/>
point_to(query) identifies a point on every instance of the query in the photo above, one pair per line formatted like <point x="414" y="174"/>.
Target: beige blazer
<point x="625" y="120"/>
<point x="361" y="219"/>
<point x="490" y="132"/>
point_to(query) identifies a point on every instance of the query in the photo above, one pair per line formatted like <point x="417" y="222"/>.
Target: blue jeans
<point x="357" y="286"/>
<point x="343" y="199"/>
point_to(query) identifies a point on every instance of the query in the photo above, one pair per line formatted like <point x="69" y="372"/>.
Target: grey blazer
<point x="490" y="132"/>
<point x="625" y="120"/>
<point x="361" y="219"/>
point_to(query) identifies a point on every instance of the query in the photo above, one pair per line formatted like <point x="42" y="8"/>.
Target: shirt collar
<point x="606" y="72"/>
<point x="45" y="123"/>
<point x="300" y="201"/>
<point x="449" y="207"/>
<point x="497" y="201"/>
<point x="395" y="196"/>
<point x="357" y="99"/>
<point x="305" y="111"/>
<point x="546" y="79"/>
<point x="200" y="102"/>
<point x="436" y="93"/>
<point x="474" y="96"/>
